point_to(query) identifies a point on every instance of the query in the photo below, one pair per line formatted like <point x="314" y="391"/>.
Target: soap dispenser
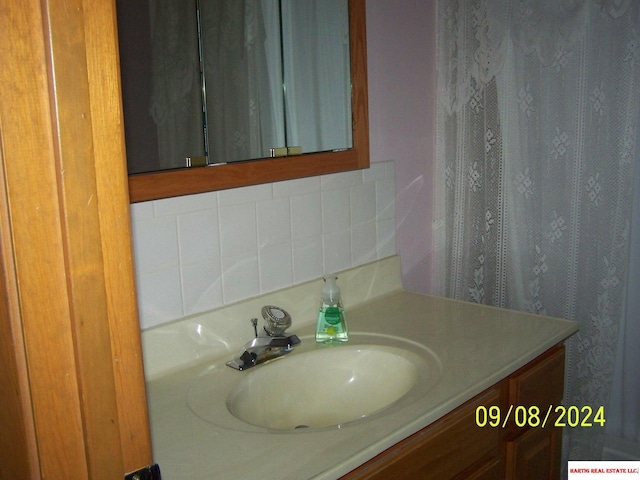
<point x="332" y="325"/>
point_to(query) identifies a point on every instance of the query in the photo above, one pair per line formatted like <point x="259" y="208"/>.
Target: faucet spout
<point x="262" y="349"/>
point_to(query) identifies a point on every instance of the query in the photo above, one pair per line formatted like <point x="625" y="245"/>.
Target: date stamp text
<point x="534" y="417"/>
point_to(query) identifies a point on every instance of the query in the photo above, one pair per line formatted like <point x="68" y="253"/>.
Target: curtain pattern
<point x="176" y="95"/>
<point x="240" y="123"/>
<point x="316" y="66"/>
<point x="276" y="73"/>
<point x="539" y="101"/>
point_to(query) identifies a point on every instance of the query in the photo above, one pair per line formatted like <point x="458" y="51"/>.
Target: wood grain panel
<point x="115" y="231"/>
<point x="442" y="450"/>
<point x="65" y="244"/>
<point x="18" y="441"/>
<point x="81" y="234"/>
<point x="541" y="385"/>
<point x="535" y="455"/>
<point x="36" y="241"/>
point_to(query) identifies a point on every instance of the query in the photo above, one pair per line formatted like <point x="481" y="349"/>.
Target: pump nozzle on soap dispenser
<point x="332" y="325"/>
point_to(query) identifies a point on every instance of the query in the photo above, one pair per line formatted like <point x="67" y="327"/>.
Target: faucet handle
<point x="244" y="361"/>
<point x="276" y="320"/>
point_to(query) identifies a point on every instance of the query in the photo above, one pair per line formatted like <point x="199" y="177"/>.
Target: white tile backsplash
<point x="386" y="199"/>
<point x="307" y="259"/>
<point x="276" y="267"/>
<point x="336" y="215"/>
<point x="386" y="237"/>
<point x="306" y="216"/>
<point x="238" y="230"/>
<point x="274" y="222"/>
<point x="364" y="248"/>
<point x="156" y="244"/>
<point x="363" y="203"/>
<point x="159" y="296"/>
<point x="201" y="286"/>
<point x="336" y="249"/>
<point x="240" y="277"/>
<point x="198" y="236"/>
<point x="377" y="171"/>
<point x="243" y="195"/>
<point x="201" y="252"/>
<point x="291" y="188"/>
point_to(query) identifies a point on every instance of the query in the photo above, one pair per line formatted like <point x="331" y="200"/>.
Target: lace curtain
<point x="623" y="425"/>
<point x="317" y="74"/>
<point x="538" y="104"/>
<point x="240" y="123"/>
<point x="176" y="95"/>
<point x="254" y="51"/>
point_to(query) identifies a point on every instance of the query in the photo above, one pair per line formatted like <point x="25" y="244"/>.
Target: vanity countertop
<point x="477" y="345"/>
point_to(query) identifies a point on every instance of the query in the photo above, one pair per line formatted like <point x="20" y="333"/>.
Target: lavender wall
<point x="402" y="100"/>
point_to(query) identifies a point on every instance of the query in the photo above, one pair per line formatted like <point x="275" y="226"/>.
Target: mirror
<point x="345" y="113"/>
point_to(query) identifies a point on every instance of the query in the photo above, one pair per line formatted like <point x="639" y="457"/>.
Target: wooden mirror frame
<point x="173" y="183"/>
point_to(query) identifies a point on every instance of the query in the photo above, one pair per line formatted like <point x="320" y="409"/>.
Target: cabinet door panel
<point x="535" y="455"/>
<point x="534" y="452"/>
<point x="492" y="469"/>
<point x="442" y="450"/>
<point x="541" y="384"/>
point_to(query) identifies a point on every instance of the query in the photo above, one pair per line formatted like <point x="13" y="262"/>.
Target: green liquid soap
<point x="332" y="325"/>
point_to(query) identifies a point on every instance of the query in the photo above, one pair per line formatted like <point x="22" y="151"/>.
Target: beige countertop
<point x="477" y="346"/>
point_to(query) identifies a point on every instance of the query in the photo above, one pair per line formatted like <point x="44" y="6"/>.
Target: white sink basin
<point x="322" y="387"/>
<point x="325" y="387"/>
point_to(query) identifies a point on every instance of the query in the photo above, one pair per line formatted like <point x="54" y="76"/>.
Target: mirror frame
<point x="186" y="181"/>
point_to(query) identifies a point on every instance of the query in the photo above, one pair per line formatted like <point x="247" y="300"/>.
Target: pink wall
<point x="402" y="84"/>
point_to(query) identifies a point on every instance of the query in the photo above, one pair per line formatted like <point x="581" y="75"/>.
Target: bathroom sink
<point x="323" y="387"/>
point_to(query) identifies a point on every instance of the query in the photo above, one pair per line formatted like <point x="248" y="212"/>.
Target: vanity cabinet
<point x="456" y="447"/>
<point x="534" y="452"/>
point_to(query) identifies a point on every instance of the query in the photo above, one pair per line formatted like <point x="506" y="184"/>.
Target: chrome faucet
<point x="273" y="344"/>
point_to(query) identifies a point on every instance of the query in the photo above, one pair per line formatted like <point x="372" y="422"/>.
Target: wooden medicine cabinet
<point x="214" y="171"/>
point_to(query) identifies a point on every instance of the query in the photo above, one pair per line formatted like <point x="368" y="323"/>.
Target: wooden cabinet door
<point x="454" y="447"/>
<point x="442" y="450"/>
<point x="535" y="455"/>
<point x="533" y="451"/>
<point x="493" y="469"/>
